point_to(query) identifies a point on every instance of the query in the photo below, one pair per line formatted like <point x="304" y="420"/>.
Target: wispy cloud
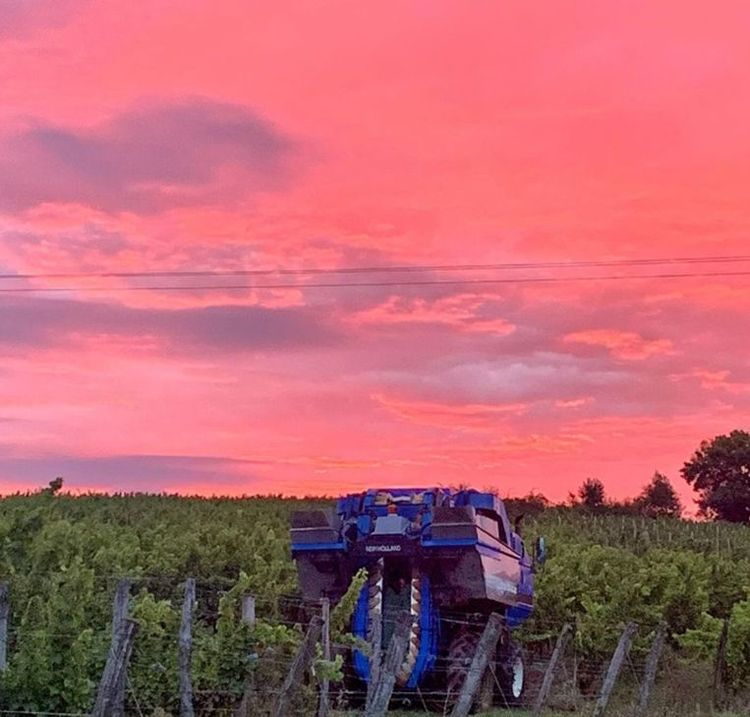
<point x="625" y="345"/>
<point x="472" y="313"/>
<point x="712" y="380"/>
<point x="453" y="416"/>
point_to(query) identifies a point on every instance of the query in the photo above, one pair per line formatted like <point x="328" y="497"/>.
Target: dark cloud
<point x="34" y="322"/>
<point x="19" y="18"/>
<point x="90" y="242"/>
<point x="125" y="473"/>
<point x="151" y="158"/>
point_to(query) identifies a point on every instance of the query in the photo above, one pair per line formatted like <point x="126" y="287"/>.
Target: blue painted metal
<point x="364" y="524"/>
<point x="515" y="616"/>
<point x="448" y="542"/>
<point x="429" y="625"/>
<point x="359" y="629"/>
<point x="318" y="546"/>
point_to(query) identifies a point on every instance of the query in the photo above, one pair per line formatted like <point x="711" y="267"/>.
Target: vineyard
<point x="63" y="557"/>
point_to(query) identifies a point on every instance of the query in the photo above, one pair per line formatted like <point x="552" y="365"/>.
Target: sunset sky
<point x="233" y="135"/>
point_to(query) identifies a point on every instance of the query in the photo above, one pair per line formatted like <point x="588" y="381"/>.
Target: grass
<point x="683" y="690"/>
<point x="549" y="713"/>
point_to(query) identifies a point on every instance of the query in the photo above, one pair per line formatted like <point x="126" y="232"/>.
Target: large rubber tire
<point x="460" y="655"/>
<point x="512" y="675"/>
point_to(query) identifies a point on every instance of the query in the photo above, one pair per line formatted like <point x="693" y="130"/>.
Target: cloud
<point x="34" y="322"/>
<point x="91" y="244"/>
<point x="162" y="155"/>
<point x="125" y="472"/>
<point x="625" y="345"/>
<point x="18" y="18"/>
<point x="574" y="402"/>
<point x="454" y="416"/>
<point x="493" y="454"/>
<point x="713" y="380"/>
<point x="468" y="312"/>
<point x="471" y="379"/>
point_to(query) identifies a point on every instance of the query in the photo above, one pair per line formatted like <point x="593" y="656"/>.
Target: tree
<point x="54" y="487"/>
<point x="532" y="505"/>
<point x="591" y="494"/>
<point x="719" y="471"/>
<point x="659" y="498"/>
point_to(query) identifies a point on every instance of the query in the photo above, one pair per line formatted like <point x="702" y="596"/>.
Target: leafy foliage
<point x="738" y="644"/>
<point x="719" y="472"/>
<point x="659" y="499"/>
<point x="342" y="613"/>
<point x="63" y="556"/>
<point x="591" y="494"/>
<point x="605" y="570"/>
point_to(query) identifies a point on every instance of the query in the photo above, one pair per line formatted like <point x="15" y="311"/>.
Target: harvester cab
<point x="450" y="558"/>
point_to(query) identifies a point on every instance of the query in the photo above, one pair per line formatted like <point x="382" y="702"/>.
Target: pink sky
<point x="232" y="135"/>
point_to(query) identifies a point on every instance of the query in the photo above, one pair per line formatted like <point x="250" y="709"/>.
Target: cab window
<point x="488" y="521"/>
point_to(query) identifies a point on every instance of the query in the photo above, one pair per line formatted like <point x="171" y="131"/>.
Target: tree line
<point x="718" y="471"/>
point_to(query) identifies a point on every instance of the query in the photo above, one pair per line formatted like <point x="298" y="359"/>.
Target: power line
<point x="415" y="268"/>
<point x="377" y="284"/>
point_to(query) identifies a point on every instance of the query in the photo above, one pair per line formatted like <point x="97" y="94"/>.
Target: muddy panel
<point x="458" y="577"/>
<point x="317" y="578"/>
<point x="502" y="575"/>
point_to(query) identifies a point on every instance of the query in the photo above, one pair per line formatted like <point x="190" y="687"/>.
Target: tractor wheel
<point x="460" y="654"/>
<point x="512" y="675"/>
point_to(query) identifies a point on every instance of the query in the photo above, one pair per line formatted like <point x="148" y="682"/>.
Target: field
<point x="63" y="555"/>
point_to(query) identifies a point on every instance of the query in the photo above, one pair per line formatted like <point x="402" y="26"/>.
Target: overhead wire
<point x="376" y="284"/>
<point x="296" y="271"/>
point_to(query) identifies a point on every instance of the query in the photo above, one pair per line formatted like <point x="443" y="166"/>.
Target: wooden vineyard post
<point x="4" y="612"/>
<point x="649" y="677"/>
<point x="549" y="675"/>
<point x="115" y="670"/>
<point x="300" y="664"/>
<point x="186" y="649"/>
<point x="120" y="609"/>
<point x="248" y="610"/>
<point x="394" y="658"/>
<point x="324" y="706"/>
<point x="720" y="666"/>
<point x="376" y="656"/>
<point x="615" y="665"/>
<point x="485" y="649"/>
<point x="248" y="618"/>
